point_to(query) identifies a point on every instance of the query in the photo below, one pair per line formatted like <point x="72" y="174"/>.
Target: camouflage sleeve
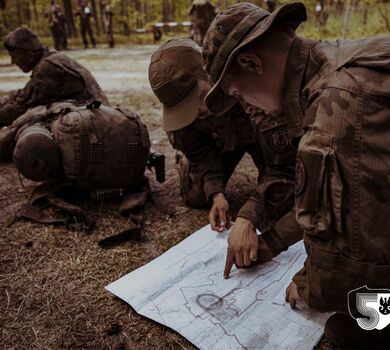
<point x="270" y="208"/>
<point x="48" y="84"/>
<point x="204" y="157"/>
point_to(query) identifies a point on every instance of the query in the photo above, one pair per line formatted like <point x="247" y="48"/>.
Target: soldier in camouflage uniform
<point x="57" y="26"/>
<point x="335" y="97"/>
<point x="201" y="13"/>
<point x="85" y="14"/>
<point x="214" y="146"/>
<point x="54" y="77"/>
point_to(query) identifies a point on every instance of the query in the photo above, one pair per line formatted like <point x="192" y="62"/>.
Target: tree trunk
<point x="95" y="16"/>
<point x="70" y="26"/>
<point x="347" y="12"/>
<point x="125" y="17"/>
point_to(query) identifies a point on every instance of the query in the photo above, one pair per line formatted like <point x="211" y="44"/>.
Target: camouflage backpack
<point x="101" y="147"/>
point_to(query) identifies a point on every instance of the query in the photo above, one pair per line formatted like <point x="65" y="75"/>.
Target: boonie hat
<point x="231" y="30"/>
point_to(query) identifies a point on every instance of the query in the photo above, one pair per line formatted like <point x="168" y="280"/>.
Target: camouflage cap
<point x="173" y="72"/>
<point x="36" y="155"/>
<point x="22" y="38"/>
<point x="231" y="30"/>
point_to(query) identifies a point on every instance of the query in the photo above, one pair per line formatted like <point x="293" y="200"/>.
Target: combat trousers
<point x="191" y="186"/>
<point x="56" y="32"/>
<point x="86" y="28"/>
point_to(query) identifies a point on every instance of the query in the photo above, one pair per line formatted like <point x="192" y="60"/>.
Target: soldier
<point x="335" y="96"/>
<point x="54" y="77"/>
<point x="201" y="13"/>
<point x="85" y="14"/>
<point x="107" y="15"/>
<point x="213" y="146"/>
<point x="57" y="25"/>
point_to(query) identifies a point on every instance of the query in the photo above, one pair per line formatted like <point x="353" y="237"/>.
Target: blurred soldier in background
<point x="201" y="13"/>
<point x="107" y="15"/>
<point x="57" y="26"/>
<point x="54" y="77"/>
<point x="85" y="14"/>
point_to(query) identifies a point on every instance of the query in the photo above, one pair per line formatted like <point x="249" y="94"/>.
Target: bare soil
<point x="52" y="280"/>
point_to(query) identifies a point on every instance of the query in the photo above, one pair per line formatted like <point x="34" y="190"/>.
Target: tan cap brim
<point x="291" y="14"/>
<point x="183" y="113"/>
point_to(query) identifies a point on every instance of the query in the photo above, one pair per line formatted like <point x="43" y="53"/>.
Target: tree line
<point x="130" y="15"/>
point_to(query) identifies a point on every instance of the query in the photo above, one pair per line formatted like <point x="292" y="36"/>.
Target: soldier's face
<point x="248" y="81"/>
<point x="23" y="59"/>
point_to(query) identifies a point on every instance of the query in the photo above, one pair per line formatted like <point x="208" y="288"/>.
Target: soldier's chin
<point x="26" y="69"/>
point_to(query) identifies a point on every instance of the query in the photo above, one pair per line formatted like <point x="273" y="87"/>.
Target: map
<point x="184" y="289"/>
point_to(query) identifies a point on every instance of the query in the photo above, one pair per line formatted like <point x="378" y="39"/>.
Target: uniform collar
<point x="295" y="77"/>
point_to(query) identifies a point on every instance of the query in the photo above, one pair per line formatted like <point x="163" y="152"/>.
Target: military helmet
<point x="23" y="38"/>
<point x="231" y="30"/>
<point x="36" y="154"/>
<point x="173" y="73"/>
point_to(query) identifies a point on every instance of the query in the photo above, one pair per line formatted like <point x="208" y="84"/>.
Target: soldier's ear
<point x="250" y="61"/>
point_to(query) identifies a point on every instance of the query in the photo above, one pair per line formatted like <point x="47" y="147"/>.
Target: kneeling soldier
<point x="55" y="77"/>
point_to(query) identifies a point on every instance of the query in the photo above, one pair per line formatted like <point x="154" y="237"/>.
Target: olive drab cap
<point x="173" y="72"/>
<point x="36" y="154"/>
<point x="231" y="30"/>
<point x="23" y="38"/>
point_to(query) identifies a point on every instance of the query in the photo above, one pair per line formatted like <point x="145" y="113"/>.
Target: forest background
<point x="133" y="18"/>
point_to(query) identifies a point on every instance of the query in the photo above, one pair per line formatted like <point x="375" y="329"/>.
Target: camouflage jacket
<point x="337" y="95"/>
<point x="270" y="210"/>
<point x="55" y="78"/>
<point x="203" y="141"/>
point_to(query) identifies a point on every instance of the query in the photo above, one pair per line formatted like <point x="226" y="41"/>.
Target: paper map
<point x="184" y="289"/>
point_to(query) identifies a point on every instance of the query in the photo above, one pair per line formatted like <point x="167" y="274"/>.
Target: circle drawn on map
<point x="209" y="301"/>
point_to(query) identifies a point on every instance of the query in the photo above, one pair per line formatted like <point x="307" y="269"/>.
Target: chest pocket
<point x="278" y="147"/>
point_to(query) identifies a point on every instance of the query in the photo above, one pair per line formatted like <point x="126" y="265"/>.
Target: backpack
<point x="101" y="146"/>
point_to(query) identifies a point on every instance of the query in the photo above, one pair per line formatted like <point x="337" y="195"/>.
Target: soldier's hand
<point x="242" y="245"/>
<point x="292" y="295"/>
<point x="219" y="220"/>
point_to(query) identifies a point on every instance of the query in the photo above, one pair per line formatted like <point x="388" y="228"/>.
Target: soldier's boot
<point x="344" y="332"/>
<point x="191" y="191"/>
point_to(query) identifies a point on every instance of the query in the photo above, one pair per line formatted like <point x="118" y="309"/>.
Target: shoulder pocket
<point x="318" y="185"/>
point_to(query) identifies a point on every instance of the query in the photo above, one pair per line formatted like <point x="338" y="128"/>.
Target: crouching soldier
<point x="55" y="77"/>
<point x="92" y="149"/>
<point x="211" y="147"/>
<point x="335" y="96"/>
<point x="214" y="146"/>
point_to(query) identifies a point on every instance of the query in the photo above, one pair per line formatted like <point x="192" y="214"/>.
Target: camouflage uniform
<point x="57" y="26"/>
<point x="202" y="13"/>
<point x="56" y="77"/>
<point x="85" y="14"/>
<point x="336" y="98"/>
<point x="213" y="147"/>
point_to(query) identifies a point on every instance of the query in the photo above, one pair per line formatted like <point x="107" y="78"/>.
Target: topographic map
<point x="184" y="289"/>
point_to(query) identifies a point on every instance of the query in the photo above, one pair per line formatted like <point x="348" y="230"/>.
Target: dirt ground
<point x="52" y="280"/>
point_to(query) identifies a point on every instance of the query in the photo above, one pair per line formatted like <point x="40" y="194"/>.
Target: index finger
<point x="228" y="265"/>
